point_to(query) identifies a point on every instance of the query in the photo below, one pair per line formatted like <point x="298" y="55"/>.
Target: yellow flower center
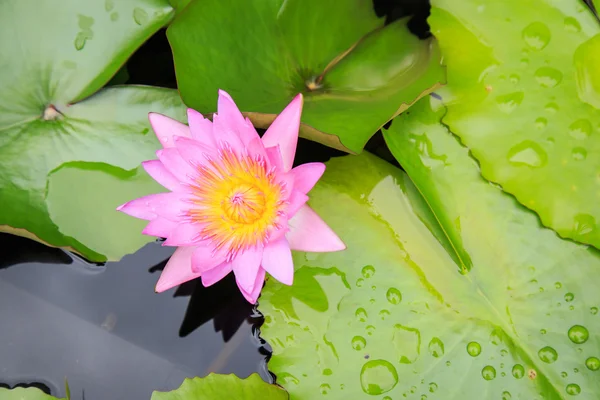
<point x="237" y="199"/>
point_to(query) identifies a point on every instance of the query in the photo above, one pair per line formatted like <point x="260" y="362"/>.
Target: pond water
<point x="106" y="331"/>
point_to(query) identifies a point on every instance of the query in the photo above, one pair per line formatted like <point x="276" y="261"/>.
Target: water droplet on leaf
<point x="518" y="371"/>
<point x="579" y="153"/>
<point x="508" y="102"/>
<point x="548" y="77"/>
<point x="573" y="389"/>
<point x="368" y="271"/>
<point x="436" y="347"/>
<point x="474" y="349"/>
<point x="488" y="372"/>
<point x="548" y="354"/>
<point x="569" y="297"/>
<point x="593" y="363"/>
<point x="527" y="153"/>
<point x="572" y="25"/>
<point x="394" y="296"/>
<point x="536" y="35"/>
<point x="378" y="377"/>
<point x="140" y="16"/>
<point x="578" y="334"/>
<point x="361" y="314"/>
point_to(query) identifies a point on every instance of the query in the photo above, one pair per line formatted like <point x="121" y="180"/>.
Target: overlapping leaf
<point x="524" y="95"/>
<point x="449" y="288"/>
<point x="59" y="53"/>
<point x="217" y="387"/>
<point x="355" y="73"/>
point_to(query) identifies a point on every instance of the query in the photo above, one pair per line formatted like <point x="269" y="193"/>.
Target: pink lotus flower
<point x="235" y="203"/>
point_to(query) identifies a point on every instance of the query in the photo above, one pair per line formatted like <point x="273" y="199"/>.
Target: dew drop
<point x="569" y="296"/>
<point x="368" y="271"/>
<point x="578" y="334"/>
<point x="564" y="374"/>
<point x="358" y="342"/>
<point x="548" y="354"/>
<point x="573" y="389"/>
<point x="433" y="387"/>
<point x="507" y="103"/>
<point x="514" y="78"/>
<point x="541" y="123"/>
<point x="579" y="153"/>
<point x="423" y="397"/>
<point x="488" y="372"/>
<point x="506" y="395"/>
<point x="496" y="336"/>
<point x="370" y="329"/>
<point x="361" y="314"/>
<point x="394" y="296"/>
<point x="548" y="77"/>
<point x="551" y="108"/>
<point x="436" y="347"/>
<point x="594" y="310"/>
<point x="518" y="371"/>
<point x="387" y="398"/>
<point x="536" y="35"/>
<point x="503" y="352"/>
<point x="448" y="363"/>
<point x="593" y="363"/>
<point x="558" y="285"/>
<point x="140" y="16"/>
<point x="474" y="349"/>
<point x="580" y="129"/>
<point x="527" y="153"/>
<point x="80" y="40"/>
<point x="543" y="331"/>
<point x="324" y="388"/>
<point x="383" y="314"/>
<point x="360" y="282"/>
<point x="576" y="370"/>
<point x="572" y="25"/>
<point x="378" y="377"/>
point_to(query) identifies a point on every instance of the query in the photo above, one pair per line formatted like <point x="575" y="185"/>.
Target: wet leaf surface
<point x="355" y="73"/>
<point x="449" y="288"/>
<point x="217" y="387"/>
<point x="43" y="123"/>
<point x="526" y="101"/>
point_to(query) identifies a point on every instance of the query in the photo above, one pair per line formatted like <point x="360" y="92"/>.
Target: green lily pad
<point x="355" y="73"/>
<point x="450" y="289"/>
<point x="524" y="95"/>
<point x="19" y="393"/>
<point x="43" y="123"/>
<point x="217" y="387"/>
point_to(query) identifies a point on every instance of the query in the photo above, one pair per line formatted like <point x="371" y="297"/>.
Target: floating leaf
<point x="43" y="123"/>
<point x="217" y="387"/>
<point x="20" y="393"/>
<point x="449" y="288"/>
<point x="526" y="101"/>
<point x="355" y="73"/>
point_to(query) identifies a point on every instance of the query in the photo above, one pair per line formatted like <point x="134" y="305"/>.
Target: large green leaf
<point x="31" y="393"/>
<point x="524" y="95"/>
<point x="355" y="74"/>
<point x="449" y="288"/>
<point x="43" y="126"/>
<point x="218" y="387"/>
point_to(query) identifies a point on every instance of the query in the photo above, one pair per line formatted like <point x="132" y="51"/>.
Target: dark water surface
<point x="106" y="331"/>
